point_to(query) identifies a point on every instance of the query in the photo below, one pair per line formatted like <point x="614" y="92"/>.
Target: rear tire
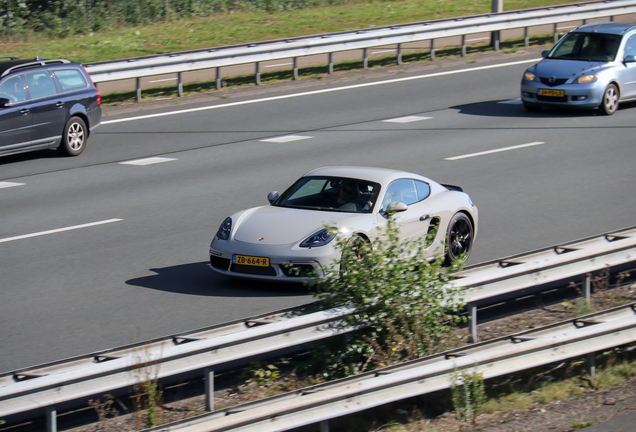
<point x="74" y="137"/>
<point x="610" y="100"/>
<point x="459" y="238"/>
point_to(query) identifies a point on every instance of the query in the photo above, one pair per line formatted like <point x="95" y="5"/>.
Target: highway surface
<point x="111" y="247"/>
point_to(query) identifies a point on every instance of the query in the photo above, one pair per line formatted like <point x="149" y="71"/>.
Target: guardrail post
<point x="324" y="426"/>
<point x="295" y="68"/>
<point x="208" y="376"/>
<point x="556" y="33"/>
<point x="258" y="73"/>
<point x="330" y="63"/>
<point x="591" y="364"/>
<point x="463" y="45"/>
<point x="587" y="287"/>
<point x="365" y="58"/>
<point x="399" y="54"/>
<point x="473" y="322"/>
<point x="51" y="419"/>
<point x="526" y="38"/>
<point x="218" y="78"/>
<point x="179" y="85"/>
<point x="432" y="49"/>
<point x="138" y="86"/>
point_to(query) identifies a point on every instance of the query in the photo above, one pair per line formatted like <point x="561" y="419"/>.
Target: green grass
<point x="247" y="26"/>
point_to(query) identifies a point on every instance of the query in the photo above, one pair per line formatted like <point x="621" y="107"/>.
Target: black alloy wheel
<point x="459" y="239"/>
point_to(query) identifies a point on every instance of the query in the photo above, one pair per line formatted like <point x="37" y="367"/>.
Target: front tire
<point x="610" y="100"/>
<point x="74" y="137"/>
<point x="355" y="251"/>
<point x="459" y="238"/>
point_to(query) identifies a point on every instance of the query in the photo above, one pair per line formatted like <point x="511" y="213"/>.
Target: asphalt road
<point x="134" y="264"/>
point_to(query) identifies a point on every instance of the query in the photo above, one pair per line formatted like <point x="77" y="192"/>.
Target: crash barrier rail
<point x="318" y="404"/>
<point x="515" y="274"/>
<point x="330" y="43"/>
<point x="47" y="386"/>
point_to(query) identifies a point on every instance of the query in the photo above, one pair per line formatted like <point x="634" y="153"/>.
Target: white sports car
<point x="291" y="239"/>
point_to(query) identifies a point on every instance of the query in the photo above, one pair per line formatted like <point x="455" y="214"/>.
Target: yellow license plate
<point x="553" y="93"/>
<point x="250" y="260"/>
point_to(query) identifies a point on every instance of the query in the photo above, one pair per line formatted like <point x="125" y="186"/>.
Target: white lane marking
<point x="287" y="138"/>
<point x="407" y="119"/>
<point x="383" y="51"/>
<point x="496" y="150"/>
<point x="477" y="39"/>
<point x="148" y="161"/>
<point x="41" y="233"/>
<point x="315" y="92"/>
<point x="10" y="184"/>
<point x="511" y="102"/>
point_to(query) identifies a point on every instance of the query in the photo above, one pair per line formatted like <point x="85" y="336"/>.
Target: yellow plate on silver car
<point x="550" y="92"/>
<point x="250" y="260"/>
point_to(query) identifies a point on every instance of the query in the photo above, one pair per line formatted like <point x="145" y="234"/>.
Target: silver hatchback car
<point x="592" y="66"/>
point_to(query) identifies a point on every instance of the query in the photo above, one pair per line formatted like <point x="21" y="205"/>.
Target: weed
<point x="104" y="411"/>
<point x="147" y="392"/>
<point x="260" y="373"/>
<point x="468" y="394"/>
<point x="577" y="425"/>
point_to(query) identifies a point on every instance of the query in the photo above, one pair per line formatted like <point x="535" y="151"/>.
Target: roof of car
<point x="378" y="175"/>
<point x="9" y="64"/>
<point x="606" y="27"/>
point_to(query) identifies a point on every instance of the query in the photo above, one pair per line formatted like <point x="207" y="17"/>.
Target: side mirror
<point x="629" y="59"/>
<point x="395" y="207"/>
<point x="272" y="196"/>
<point x="5" y="103"/>
<point x="545" y="53"/>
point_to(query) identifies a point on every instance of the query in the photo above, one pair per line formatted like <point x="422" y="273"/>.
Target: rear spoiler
<point x="453" y="188"/>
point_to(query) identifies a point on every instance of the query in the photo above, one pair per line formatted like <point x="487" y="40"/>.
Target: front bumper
<point x="586" y="96"/>
<point x="288" y="263"/>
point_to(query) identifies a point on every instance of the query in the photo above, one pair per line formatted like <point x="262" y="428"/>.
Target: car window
<point x="402" y="190"/>
<point x="586" y="46"/>
<point x="40" y="84"/>
<point x="630" y="46"/>
<point x="13" y="89"/>
<point x="423" y="190"/>
<point x="331" y="194"/>
<point x="71" y="79"/>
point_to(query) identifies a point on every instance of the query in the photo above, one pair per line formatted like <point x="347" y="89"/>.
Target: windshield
<point x="331" y="194"/>
<point x="586" y="46"/>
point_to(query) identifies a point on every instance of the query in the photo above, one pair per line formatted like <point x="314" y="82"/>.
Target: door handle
<point x="425" y="217"/>
<point x="24" y="111"/>
<point x="60" y="104"/>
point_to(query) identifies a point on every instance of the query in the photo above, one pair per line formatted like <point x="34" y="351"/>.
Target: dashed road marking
<point x="287" y="138"/>
<point x="58" y="230"/>
<point x="511" y="102"/>
<point x="407" y="119"/>
<point x="10" y="184"/>
<point x="495" y="151"/>
<point x="148" y="161"/>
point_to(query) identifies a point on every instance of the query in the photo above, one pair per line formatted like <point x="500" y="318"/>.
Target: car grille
<point x="263" y="271"/>
<point x="552" y="98"/>
<point x="220" y="263"/>
<point x="557" y="82"/>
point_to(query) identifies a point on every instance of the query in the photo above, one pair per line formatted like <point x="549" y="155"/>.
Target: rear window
<point x="71" y="79"/>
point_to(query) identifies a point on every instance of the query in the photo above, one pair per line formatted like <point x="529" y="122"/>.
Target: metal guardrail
<point x="47" y="386"/>
<point x="503" y="356"/>
<point x="215" y="58"/>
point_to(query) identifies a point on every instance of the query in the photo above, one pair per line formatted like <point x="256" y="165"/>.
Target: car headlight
<point x="320" y="238"/>
<point x="224" y="230"/>
<point x="585" y="79"/>
<point x="529" y="76"/>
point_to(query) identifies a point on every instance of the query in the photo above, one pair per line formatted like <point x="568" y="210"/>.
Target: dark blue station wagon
<point x="46" y="104"/>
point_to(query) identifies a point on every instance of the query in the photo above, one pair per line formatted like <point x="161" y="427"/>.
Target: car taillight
<point x="99" y="95"/>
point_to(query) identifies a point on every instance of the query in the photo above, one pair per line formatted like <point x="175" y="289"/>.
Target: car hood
<point x="269" y="225"/>
<point x="567" y="68"/>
